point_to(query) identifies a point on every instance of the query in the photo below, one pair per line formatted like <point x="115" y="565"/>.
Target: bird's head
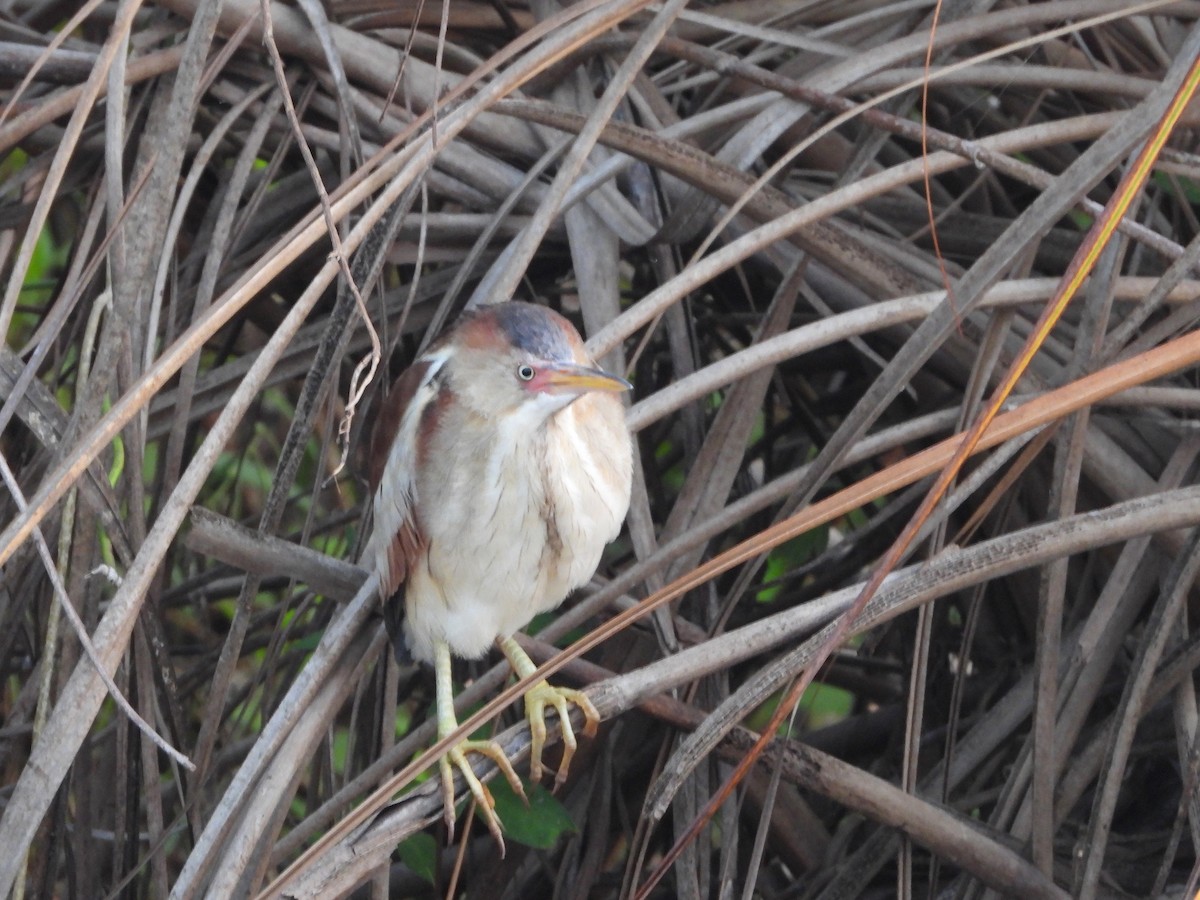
<point x="520" y="359"/>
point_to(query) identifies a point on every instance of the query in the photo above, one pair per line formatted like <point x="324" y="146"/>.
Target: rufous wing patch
<point x="391" y="415"/>
<point x="402" y="553"/>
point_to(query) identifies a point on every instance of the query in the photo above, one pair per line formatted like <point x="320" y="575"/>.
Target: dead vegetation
<point x="753" y="209"/>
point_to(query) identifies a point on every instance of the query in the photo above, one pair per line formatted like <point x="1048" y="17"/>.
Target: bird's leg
<point x="457" y="755"/>
<point x="536" y="700"/>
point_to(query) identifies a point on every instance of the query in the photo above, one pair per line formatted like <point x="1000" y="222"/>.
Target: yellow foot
<point x="537" y="699"/>
<point x="456" y="757"/>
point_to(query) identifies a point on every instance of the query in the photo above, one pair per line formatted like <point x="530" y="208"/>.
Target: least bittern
<point x="502" y="466"/>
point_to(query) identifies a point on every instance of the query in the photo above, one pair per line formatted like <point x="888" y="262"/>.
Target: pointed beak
<point x="581" y="378"/>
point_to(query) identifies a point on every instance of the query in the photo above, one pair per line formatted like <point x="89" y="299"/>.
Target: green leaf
<point x="820" y="705"/>
<point x="419" y="853"/>
<point x="1187" y="190"/>
<point x="791" y="555"/>
<point x="538" y="825"/>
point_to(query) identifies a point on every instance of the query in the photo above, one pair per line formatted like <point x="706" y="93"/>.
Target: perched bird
<point x="501" y="467"/>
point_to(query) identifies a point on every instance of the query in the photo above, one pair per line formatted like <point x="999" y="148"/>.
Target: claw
<point x="536" y="701"/>
<point x="456" y="757"/>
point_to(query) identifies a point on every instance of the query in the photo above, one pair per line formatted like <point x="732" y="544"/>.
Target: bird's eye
<point x="525" y="372"/>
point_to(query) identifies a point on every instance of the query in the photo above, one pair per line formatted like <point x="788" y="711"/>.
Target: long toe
<point x="446" y="772"/>
<point x="456" y="757"/>
<point x="536" y="700"/>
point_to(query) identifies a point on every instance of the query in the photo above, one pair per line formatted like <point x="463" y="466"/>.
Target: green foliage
<point x="1081" y="220"/>
<point x="538" y="825"/>
<point x="791" y="555"/>
<point x="337" y="544"/>
<point x="339" y="748"/>
<point x="50" y="257"/>
<point x="671" y="478"/>
<point x="1186" y="190"/>
<point x="820" y="706"/>
<point x="404" y="720"/>
<point x="823" y="705"/>
<point x="419" y="853"/>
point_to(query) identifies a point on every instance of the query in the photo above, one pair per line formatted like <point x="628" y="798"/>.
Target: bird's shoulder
<point x="399" y="442"/>
<point x="410" y="397"/>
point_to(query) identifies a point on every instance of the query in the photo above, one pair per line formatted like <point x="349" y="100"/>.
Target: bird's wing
<point x="397" y="541"/>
